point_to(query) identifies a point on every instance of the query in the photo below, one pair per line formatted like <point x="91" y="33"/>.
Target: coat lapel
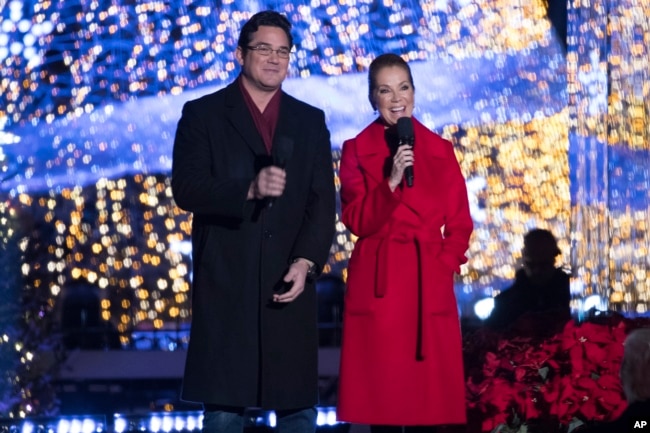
<point x="241" y="119"/>
<point x="286" y="126"/>
<point x="374" y="156"/>
<point x="429" y="155"/>
<point x="372" y="151"/>
<point x="429" y="148"/>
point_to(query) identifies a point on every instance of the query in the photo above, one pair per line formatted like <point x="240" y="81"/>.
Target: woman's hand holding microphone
<point x="403" y="158"/>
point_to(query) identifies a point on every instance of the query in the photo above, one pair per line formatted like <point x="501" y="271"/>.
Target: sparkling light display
<point x="609" y="94"/>
<point x="123" y="237"/>
<point x="91" y="90"/>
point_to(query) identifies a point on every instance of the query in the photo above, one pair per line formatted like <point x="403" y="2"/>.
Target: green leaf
<point x="574" y="424"/>
<point x="543" y="372"/>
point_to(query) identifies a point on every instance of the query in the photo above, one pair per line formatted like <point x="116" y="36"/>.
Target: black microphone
<point x="282" y="150"/>
<point x="405" y="135"/>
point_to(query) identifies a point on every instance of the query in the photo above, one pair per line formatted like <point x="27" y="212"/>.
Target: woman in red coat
<point x="401" y="358"/>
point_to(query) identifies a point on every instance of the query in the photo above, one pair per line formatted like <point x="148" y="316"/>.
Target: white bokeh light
<point x="483" y="308"/>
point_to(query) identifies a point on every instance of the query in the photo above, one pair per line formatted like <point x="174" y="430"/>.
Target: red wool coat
<point x="401" y="356"/>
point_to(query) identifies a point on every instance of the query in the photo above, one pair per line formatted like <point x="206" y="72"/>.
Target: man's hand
<point x="297" y="274"/>
<point x="269" y="182"/>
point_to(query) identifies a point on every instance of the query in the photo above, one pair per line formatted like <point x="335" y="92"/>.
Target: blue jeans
<point x="231" y="420"/>
<point x="223" y="421"/>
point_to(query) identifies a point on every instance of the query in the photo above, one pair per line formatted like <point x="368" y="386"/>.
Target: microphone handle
<point x="408" y="171"/>
<point x="408" y="175"/>
<point x="271" y="200"/>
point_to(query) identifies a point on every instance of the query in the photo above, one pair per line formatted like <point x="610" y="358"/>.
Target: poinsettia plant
<point x="534" y="378"/>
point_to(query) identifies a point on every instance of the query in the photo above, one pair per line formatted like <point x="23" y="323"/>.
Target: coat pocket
<point x="439" y="297"/>
<point x="362" y="279"/>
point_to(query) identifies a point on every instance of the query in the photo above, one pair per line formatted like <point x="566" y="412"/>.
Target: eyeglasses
<point x="265" y="50"/>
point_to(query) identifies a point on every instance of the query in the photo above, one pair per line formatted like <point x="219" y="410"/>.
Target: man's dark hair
<point x="264" y="18"/>
<point x="540" y="239"/>
<point x="382" y="61"/>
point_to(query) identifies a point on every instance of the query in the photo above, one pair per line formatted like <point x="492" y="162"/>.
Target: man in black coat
<point x="254" y="166"/>
<point x="540" y="294"/>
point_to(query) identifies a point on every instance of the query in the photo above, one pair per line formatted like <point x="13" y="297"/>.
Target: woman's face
<point x="393" y="95"/>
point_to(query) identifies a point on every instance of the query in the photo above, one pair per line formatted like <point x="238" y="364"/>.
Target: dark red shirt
<point x="264" y="122"/>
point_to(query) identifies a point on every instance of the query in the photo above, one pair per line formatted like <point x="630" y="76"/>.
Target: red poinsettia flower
<point x="492" y="362"/>
<point x="529" y="403"/>
<point x="592" y="346"/>
<point x="502" y="393"/>
<point x="549" y="380"/>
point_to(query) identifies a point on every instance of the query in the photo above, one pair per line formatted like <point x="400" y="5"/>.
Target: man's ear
<point x="239" y="55"/>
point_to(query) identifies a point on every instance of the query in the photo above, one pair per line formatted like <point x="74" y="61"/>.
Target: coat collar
<point x="370" y="138"/>
<point x="374" y="156"/>
<point x="242" y="121"/>
<point x="373" y="152"/>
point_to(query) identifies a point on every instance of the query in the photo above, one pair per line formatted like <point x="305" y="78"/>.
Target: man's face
<point x="539" y="263"/>
<point x="264" y="72"/>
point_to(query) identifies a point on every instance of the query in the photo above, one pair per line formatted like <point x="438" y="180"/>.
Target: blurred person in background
<point x="540" y="290"/>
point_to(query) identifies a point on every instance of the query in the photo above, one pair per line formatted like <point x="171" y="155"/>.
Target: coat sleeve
<point x="197" y="186"/>
<point x="458" y="223"/>
<point x="317" y="230"/>
<point x="364" y="210"/>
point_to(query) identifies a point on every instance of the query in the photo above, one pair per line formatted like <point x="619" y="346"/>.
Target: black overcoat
<point x="245" y="350"/>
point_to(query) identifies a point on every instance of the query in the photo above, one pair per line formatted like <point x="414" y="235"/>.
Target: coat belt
<point x="422" y="242"/>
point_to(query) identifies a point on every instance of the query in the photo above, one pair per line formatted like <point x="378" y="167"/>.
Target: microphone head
<point x="283" y="148"/>
<point x="405" y="127"/>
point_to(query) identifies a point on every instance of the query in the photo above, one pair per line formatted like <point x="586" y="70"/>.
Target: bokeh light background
<point x="91" y="91"/>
